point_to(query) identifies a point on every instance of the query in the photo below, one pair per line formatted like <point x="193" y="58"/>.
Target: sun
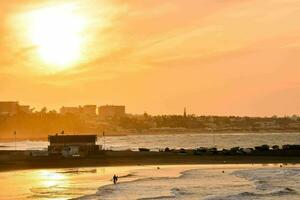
<point x="56" y="32"/>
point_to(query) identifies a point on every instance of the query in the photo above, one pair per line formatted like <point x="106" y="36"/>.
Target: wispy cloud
<point x="139" y="47"/>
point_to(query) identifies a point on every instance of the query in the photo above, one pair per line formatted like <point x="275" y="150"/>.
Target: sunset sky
<point x="220" y="57"/>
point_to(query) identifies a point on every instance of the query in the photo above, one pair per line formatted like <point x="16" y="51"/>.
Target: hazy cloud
<point x="214" y="57"/>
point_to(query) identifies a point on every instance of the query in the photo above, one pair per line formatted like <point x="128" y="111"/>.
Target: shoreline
<point x="17" y="160"/>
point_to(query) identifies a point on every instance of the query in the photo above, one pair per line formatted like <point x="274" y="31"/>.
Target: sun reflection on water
<point x="50" y="185"/>
<point x="50" y="179"/>
<point x="57" y="184"/>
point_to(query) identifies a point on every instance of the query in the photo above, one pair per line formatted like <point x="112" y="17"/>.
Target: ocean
<point x="198" y="182"/>
<point x="235" y="183"/>
<point x="186" y="140"/>
<point x="185" y="182"/>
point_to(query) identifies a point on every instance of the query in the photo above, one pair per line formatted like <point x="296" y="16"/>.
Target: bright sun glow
<point x="52" y="178"/>
<point x="56" y="32"/>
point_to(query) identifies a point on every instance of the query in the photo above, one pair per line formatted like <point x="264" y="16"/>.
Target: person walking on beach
<point x="115" y="179"/>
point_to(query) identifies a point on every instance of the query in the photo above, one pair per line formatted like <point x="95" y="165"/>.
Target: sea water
<point x="205" y="182"/>
<point x="218" y="183"/>
<point x="253" y="182"/>
<point x="183" y="140"/>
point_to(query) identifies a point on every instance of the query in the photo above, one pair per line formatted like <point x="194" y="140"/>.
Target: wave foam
<point x="253" y="195"/>
<point x="207" y="184"/>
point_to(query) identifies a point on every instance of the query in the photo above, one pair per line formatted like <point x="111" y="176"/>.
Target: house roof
<point x="63" y="139"/>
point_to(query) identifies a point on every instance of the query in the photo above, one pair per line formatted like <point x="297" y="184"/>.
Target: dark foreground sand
<point x="19" y="160"/>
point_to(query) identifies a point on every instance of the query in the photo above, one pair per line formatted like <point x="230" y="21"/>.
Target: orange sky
<point x="224" y="57"/>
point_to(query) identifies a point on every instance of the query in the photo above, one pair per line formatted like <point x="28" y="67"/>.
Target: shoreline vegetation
<point x="23" y="160"/>
<point x="42" y="123"/>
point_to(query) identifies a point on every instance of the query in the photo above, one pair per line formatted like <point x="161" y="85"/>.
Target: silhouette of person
<point x="115" y="179"/>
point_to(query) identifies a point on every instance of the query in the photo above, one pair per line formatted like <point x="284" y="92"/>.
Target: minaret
<point x="184" y="112"/>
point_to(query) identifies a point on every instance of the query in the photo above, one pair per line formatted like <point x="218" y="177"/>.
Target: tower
<point x="184" y="112"/>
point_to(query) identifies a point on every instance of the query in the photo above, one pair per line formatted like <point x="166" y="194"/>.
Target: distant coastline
<point x="84" y="119"/>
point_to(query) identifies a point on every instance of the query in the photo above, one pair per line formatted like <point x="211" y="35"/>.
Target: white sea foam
<point x="209" y="184"/>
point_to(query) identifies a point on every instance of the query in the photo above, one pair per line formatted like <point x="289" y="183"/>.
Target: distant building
<point x="88" y="110"/>
<point x="69" y="110"/>
<point x="9" y="107"/>
<point x="111" y="111"/>
<point x="24" y="109"/>
<point x="70" y="145"/>
<point x="12" y="108"/>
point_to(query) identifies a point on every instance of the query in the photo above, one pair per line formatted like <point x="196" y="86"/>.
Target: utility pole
<point x="103" y="140"/>
<point x="15" y="135"/>
<point x="62" y="133"/>
<point x="214" y="140"/>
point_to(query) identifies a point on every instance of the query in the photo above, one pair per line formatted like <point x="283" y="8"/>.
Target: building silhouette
<point x="111" y="111"/>
<point x="13" y="107"/>
<point x="86" y="110"/>
<point x="69" y="110"/>
<point x="69" y="145"/>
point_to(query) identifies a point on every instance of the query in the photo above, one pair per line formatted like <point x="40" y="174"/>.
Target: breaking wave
<point x="254" y="184"/>
<point x="253" y="195"/>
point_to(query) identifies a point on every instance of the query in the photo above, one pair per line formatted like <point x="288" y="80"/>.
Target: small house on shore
<point x="72" y="145"/>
